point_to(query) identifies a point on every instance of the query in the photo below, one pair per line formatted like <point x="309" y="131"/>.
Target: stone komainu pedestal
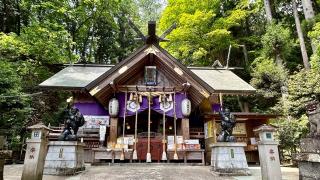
<point x="228" y="158"/>
<point x="309" y="156"/>
<point x="35" y="153"/>
<point x="309" y="159"/>
<point x="64" y="158"/>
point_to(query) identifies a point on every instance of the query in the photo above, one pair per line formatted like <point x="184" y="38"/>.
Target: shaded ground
<point x="147" y="172"/>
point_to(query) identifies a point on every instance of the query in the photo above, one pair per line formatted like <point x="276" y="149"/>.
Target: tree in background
<point x="205" y="29"/>
<point x="149" y="10"/>
<point x="37" y="35"/>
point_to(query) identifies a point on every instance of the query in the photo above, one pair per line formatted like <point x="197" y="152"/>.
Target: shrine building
<point x="150" y="105"/>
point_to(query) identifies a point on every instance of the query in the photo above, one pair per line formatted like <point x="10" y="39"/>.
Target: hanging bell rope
<point x="124" y="125"/>
<point x="149" y="116"/>
<point x="134" y="155"/>
<point x="164" y="154"/>
<point x="175" y="156"/>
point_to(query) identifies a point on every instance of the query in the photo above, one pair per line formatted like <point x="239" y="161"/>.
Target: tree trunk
<point x="309" y="16"/>
<point x="267" y="7"/>
<point x="300" y="35"/>
<point x="308" y="9"/>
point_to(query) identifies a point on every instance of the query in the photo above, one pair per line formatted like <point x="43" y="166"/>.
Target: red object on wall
<point x="155" y="149"/>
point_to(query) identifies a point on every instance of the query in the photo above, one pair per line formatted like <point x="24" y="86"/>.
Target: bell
<point x="135" y="97"/>
<point x="140" y="98"/>
<point x="170" y="98"/>
<point x="131" y="97"/>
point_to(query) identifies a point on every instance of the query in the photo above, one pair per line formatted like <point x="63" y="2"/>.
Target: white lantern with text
<point x="113" y="107"/>
<point x="186" y="107"/>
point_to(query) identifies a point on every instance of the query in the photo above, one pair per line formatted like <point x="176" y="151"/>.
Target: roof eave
<point x="61" y="88"/>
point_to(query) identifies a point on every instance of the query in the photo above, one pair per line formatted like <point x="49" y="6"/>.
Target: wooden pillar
<point x="113" y="131"/>
<point x="185" y="128"/>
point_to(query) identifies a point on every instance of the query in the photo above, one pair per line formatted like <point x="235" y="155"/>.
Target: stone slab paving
<point x="147" y="172"/>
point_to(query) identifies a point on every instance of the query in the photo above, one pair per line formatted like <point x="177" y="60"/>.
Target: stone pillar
<point x="35" y="153"/>
<point x="268" y="153"/>
<point x="309" y="156"/>
<point x="113" y="131"/>
<point x="185" y="128"/>
<point x="3" y="155"/>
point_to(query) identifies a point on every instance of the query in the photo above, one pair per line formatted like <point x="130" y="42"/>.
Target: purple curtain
<point x="91" y="108"/>
<point x="215" y="107"/>
<point x="154" y="106"/>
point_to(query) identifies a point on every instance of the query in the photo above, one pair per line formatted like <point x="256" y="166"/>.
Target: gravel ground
<point x="147" y="172"/>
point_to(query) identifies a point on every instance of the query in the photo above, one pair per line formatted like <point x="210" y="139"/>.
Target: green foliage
<point x="277" y="41"/>
<point x="289" y="134"/>
<point x="203" y="33"/>
<point x="314" y="35"/>
<point x="302" y="86"/>
<point x="267" y="77"/>
<point x="148" y="10"/>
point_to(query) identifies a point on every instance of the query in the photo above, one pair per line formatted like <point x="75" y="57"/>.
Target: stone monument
<point x="3" y="155"/>
<point x="35" y="153"/>
<point x="309" y="156"/>
<point x="227" y="156"/>
<point x="268" y="153"/>
<point x="66" y="156"/>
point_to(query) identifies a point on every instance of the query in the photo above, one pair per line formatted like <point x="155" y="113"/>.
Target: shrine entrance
<point x="156" y="133"/>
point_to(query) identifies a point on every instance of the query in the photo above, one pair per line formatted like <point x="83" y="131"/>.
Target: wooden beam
<point x="113" y="131"/>
<point x="171" y="28"/>
<point x="185" y="128"/>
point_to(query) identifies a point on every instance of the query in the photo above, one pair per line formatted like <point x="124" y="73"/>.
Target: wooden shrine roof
<point x="78" y="76"/>
<point x="100" y="80"/>
<point x="223" y="81"/>
<point x="74" y="77"/>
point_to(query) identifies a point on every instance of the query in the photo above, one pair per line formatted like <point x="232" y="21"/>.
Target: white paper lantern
<point x="113" y="107"/>
<point x="186" y="107"/>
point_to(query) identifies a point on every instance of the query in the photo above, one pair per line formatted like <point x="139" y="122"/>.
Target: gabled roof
<point x="80" y="76"/>
<point x="75" y="77"/>
<point x="223" y="81"/>
<point x="98" y="80"/>
<point x="87" y="76"/>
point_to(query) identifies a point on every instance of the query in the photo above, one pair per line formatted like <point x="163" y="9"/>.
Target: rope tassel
<point x="124" y="125"/>
<point x="134" y="155"/>
<point x="164" y="154"/>
<point x="175" y="156"/>
<point x="149" y="114"/>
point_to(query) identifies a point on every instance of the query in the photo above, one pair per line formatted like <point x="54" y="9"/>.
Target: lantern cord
<point x="175" y="127"/>
<point x="149" y="114"/>
<point x="164" y="155"/>
<point x="124" y="125"/>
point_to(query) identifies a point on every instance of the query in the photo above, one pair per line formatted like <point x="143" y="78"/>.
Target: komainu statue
<point x="313" y="111"/>
<point x="72" y="119"/>
<point x="228" y="122"/>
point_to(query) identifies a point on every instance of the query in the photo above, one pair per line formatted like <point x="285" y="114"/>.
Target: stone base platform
<point x="309" y="159"/>
<point x="228" y="159"/>
<point x="64" y="158"/>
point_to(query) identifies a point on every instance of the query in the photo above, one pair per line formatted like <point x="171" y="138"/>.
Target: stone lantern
<point x="268" y="153"/>
<point x="35" y="153"/>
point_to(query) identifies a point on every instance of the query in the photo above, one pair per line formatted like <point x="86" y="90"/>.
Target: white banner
<point x="95" y="121"/>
